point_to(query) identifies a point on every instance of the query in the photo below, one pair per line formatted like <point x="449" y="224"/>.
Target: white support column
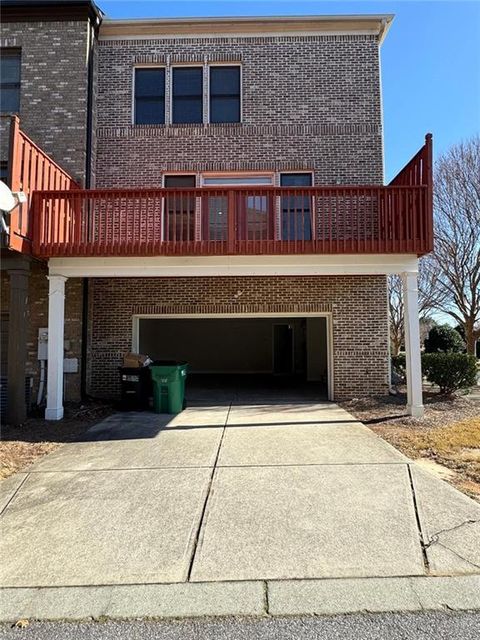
<point x="412" y="345"/>
<point x="56" y="322"/>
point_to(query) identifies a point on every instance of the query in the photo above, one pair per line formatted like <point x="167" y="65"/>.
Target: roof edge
<point x="51" y="10"/>
<point x="376" y="24"/>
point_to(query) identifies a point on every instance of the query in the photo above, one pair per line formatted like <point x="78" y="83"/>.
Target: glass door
<point x="296" y="209"/>
<point x="179" y="208"/>
<point x="254" y="218"/>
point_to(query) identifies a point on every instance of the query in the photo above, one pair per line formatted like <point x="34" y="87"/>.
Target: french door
<point x="253" y="211"/>
<point x="180" y="207"/>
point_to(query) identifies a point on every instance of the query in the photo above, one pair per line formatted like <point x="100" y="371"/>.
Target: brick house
<point x="236" y="215"/>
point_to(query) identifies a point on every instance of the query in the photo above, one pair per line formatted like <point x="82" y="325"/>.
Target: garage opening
<point x="239" y="353"/>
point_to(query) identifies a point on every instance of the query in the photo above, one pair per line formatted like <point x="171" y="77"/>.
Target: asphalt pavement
<point x="401" y="626"/>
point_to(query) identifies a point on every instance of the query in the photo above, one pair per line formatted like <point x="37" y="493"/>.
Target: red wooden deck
<point x="30" y="169"/>
<point x="64" y="220"/>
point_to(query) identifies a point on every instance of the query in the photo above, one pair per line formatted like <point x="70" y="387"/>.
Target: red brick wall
<point x="358" y="305"/>
<point x="308" y="103"/>
<point x="53" y="91"/>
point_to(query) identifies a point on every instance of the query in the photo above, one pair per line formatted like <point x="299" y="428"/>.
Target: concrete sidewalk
<point x="248" y="507"/>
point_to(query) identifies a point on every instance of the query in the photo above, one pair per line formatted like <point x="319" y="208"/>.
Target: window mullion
<point x="206" y="92"/>
<point x="168" y="93"/>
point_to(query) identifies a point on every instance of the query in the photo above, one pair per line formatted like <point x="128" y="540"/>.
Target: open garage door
<point x="273" y="350"/>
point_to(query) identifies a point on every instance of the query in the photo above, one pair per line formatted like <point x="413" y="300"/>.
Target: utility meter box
<point x="42" y="344"/>
<point x="70" y="365"/>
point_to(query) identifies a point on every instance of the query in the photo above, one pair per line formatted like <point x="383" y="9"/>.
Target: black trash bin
<point x="136" y="387"/>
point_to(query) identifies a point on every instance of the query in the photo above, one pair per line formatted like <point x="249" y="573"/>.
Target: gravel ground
<point x="439" y="411"/>
<point x="417" y="626"/>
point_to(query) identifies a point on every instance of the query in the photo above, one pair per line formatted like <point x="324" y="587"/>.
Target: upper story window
<point x="10" y="80"/>
<point x="150" y="95"/>
<point x="187" y="95"/>
<point x="225" y="94"/>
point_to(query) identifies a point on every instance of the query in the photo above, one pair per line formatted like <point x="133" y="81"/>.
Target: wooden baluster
<point x="231" y="215"/>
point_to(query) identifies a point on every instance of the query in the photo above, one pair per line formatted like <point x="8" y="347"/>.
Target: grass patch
<point x="455" y="445"/>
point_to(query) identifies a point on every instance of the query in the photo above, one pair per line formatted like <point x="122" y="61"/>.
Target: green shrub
<point x="450" y="371"/>
<point x="444" y="338"/>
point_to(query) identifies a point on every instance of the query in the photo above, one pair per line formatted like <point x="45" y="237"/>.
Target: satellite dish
<point x="7" y="199"/>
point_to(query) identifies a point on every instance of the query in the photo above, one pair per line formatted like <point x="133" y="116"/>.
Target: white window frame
<point x="224" y="175"/>
<point x="225" y="64"/>
<point x="149" y="66"/>
<point x="184" y="65"/>
<point x="168" y="120"/>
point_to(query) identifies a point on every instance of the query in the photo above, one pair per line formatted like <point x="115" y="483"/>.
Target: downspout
<point x="88" y="182"/>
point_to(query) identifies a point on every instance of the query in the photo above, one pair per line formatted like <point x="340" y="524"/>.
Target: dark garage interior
<point x="270" y="352"/>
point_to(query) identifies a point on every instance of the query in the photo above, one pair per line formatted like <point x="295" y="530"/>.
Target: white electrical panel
<point x="42" y="344"/>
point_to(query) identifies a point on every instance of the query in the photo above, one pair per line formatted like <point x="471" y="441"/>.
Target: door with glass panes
<point x="179" y="214"/>
<point x="296" y="208"/>
<point x="254" y="210"/>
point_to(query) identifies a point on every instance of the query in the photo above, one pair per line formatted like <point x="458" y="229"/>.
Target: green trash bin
<point x="168" y="379"/>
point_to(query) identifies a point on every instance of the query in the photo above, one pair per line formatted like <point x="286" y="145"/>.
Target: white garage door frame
<point x="191" y="316"/>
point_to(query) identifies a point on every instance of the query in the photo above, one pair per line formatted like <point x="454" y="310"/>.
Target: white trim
<point x="330" y="358"/>
<point x="149" y="66"/>
<point x="382" y="119"/>
<point x="56" y="328"/>
<point x="243" y="34"/>
<point x="224" y="63"/>
<point x="186" y="65"/>
<point x="240" y="175"/>
<point x="412" y="346"/>
<point x="191" y="316"/>
<point x="282" y="265"/>
<point x="340" y="17"/>
<point x="246" y="26"/>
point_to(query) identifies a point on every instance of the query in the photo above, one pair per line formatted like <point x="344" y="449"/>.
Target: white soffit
<point x="251" y="26"/>
<point x="292" y="265"/>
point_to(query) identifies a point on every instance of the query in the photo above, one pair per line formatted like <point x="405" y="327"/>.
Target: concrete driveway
<point x="241" y="492"/>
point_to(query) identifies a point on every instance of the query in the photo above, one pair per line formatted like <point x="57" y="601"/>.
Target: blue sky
<point x="430" y="60"/>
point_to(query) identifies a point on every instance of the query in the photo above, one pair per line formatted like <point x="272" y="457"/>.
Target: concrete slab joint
<point x="450" y="524"/>
<point x="240" y="508"/>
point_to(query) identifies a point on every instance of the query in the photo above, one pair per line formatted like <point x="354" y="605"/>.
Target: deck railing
<point x="392" y="219"/>
<point x="30" y="170"/>
<point x="68" y="221"/>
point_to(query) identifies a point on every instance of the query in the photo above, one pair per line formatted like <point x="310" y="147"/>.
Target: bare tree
<point x="457" y="236"/>
<point x="396" y="313"/>
<point x="430" y="298"/>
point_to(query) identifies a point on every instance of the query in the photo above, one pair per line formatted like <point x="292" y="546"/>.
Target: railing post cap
<point x="428" y="137"/>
